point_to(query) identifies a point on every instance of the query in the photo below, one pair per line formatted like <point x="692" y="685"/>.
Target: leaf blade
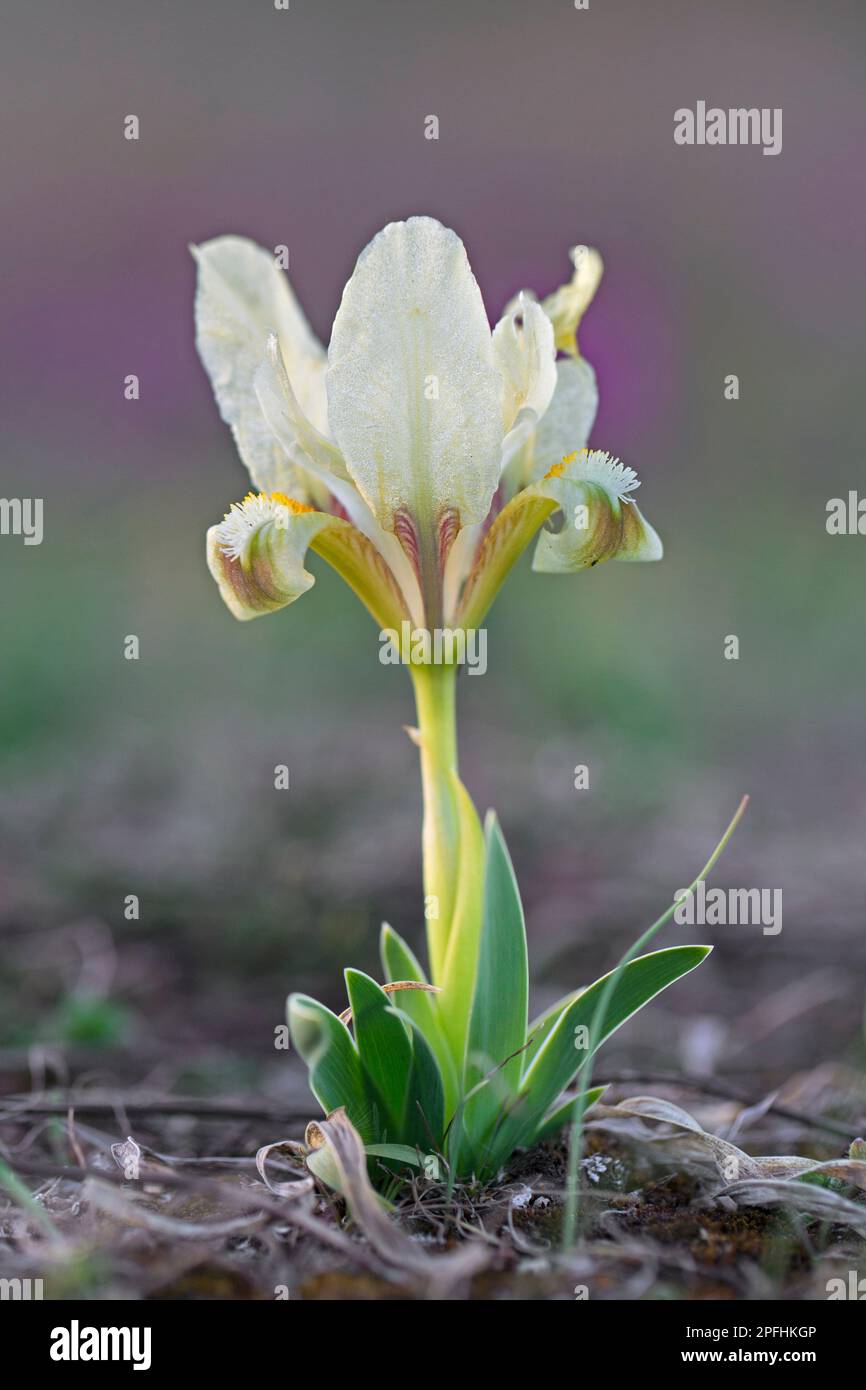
<point x="336" y="1076"/>
<point x="541" y="1026"/>
<point x="639" y="982"/>
<point x="563" y="1114"/>
<point x="399" y="962"/>
<point x="424" y="1116"/>
<point x="558" y="1059"/>
<point x="383" y="1045"/>
<point x="497" y="1025"/>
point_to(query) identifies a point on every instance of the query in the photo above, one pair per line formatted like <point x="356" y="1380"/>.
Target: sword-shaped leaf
<point x="335" y="1072"/>
<point x="399" y="962"/>
<point x="384" y="1046"/>
<point x="424" y="1117"/>
<point x="577" y="1034"/>
<point x="497" y="1027"/>
<point x="566" y="1112"/>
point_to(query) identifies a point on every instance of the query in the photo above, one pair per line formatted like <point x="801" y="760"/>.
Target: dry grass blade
<point x="817" y="1202"/>
<point x="298" y="1186"/>
<point x="127" y="1156"/>
<point x="346" y="1015"/>
<point x="345" y="1149"/>
<point x="730" y="1160"/>
<point x="343" y="1144"/>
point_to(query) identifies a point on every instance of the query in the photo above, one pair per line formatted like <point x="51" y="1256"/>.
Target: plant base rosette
<point x="420" y="1093"/>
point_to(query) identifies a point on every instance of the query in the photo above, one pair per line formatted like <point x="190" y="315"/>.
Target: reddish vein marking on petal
<point x="448" y="526"/>
<point x="406" y="531"/>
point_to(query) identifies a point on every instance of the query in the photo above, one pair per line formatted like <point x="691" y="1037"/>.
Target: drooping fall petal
<point x="586" y="499"/>
<point x="257" y="553"/>
<point x="600" y="521"/>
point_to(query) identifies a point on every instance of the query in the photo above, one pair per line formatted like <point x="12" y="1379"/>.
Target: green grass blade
<point x="21" y="1194"/>
<point x="572" y="1203"/>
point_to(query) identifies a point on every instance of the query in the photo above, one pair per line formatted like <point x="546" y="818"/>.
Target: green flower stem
<point x="435" y="700"/>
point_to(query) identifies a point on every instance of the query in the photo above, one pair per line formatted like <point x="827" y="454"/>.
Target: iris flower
<point x="423" y="452"/>
<point x="419" y="456"/>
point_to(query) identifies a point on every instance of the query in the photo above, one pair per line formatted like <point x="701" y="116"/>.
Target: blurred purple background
<point x="306" y="128"/>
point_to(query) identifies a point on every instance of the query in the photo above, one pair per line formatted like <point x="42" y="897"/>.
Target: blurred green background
<point x="155" y="777"/>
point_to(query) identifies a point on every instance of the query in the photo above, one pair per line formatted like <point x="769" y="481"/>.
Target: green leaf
<point x="383" y="1044"/>
<point x="563" y="1114"/>
<point x="400" y="963"/>
<point x="470" y="1136"/>
<point x="542" y="1025"/>
<point x="497" y="1028"/>
<point x="559" y="1058"/>
<point x="396" y="1153"/>
<point x="336" y="1075"/>
<point x="424" y="1117"/>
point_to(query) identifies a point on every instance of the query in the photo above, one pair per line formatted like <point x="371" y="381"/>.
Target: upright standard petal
<point x="325" y="469"/>
<point x="563" y="429"/>
<point x="241" y="298"/>
<point x="524" y="351"/>
<point x="288" y="422"/>
<point x="414" y="396"/>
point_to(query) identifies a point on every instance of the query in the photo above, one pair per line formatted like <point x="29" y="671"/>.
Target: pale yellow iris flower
<point x="423" y="452"/>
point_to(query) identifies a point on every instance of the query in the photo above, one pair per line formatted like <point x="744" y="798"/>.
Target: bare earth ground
<point x="163" y="1030"/>
<point x="198" y="1223"/>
